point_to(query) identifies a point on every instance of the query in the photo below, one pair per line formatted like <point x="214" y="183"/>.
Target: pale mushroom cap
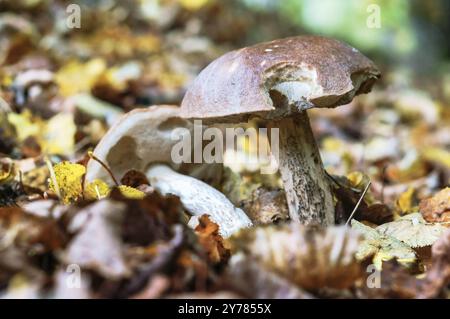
<point x="140" y="138"/>
<point x="305" y="71"/>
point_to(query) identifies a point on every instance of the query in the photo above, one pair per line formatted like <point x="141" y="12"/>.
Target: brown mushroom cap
<point x="273" y="79"/>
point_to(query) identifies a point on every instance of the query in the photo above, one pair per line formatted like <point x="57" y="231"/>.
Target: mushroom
<point x="143" y="140"/>
<point x="278" y="81"/>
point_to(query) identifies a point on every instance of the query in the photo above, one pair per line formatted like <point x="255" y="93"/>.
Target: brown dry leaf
<point x="134" y="178"/>
<point x="311" y="258"/>
<point x="438" y="276"/>
<point x="266" y="206"/>
<point x="208" y="236"/>
<point x="21" y="229"/>
<point x="437" y="208"/>
<point x="347" y="199"/>
<point x="251" y="279"/>
<point x="97" y="244"/>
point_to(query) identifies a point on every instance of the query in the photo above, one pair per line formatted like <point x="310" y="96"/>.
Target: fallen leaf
<point x="131" y="192"/>
<point x="266" y="206"/>
<point x="75" y="77"/>
<point x="134" y="179"/>
<point x="382" y="247"/>
<point x="97" y="244"/>
<point x="327" y="254"/>
<point x="251" y="279"/>
<point x="7" y="171"/>
<point x="437" y="208"/>
<point x="406" y="202"/>
<point x="413" y="230"/>
<point x="97" y="189"/>
<point x="59" y="134"/>
<point x="68" y="179"/>
<point x="213" y="244"/>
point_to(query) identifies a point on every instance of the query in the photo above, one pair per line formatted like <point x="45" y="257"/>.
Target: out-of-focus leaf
<point x="406" y="202"/>
<point x="59" y="134"/>
<point x="75" y="77"/>
<point x="396" y="282"/>
<point x="208" y="235"/>
<point x="328" y="254"/>
<point x="413" y="230"/>
<point x="25" y="124"/>
<point x="437" y="208"/>
<point x="267" y="206"/>
<point x="359" y="181"/>
<point x="7" y="171"/>
<point x="437" y="155"/>
<point x="248" y="277"/>
<point x="96" y="108"/>
<point x="97" y="244"/>
<point x="410" y="167"/>
<point x="382" y="247"/>
<point x="193" y="4"/>
<point x="235" y="188"/>
<point x="24" y="230"/>
<point x="68" y="178"/>
<point x="56" y="136"/>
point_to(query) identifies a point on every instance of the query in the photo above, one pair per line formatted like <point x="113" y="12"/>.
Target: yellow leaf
<point x="193" y="4"/>
<point x="68" y="178"/>
<point x="76" y="77"/>
<point x="97" y="189"/>
<point x="438" y="155"/>
<point x="25" y="124"/>
<point x="131" y="192"/>
<point x="59" y="135"/>
<point x="405" y="202"/>
<point x="7" y="171"/>
<point x="359" y="181"/>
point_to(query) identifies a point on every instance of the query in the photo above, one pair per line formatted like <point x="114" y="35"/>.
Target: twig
<point x="95" y="158"/>
<point x="358" y="203"/>
<point x="53" y="176"/>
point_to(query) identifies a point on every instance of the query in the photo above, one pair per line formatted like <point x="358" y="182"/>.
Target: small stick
<point x="383" y="183"/>
<point x="53" y="176"/>
<point x="97" y="192"/>
<point x="95" y="158"/>
<point x="359" y="202"/>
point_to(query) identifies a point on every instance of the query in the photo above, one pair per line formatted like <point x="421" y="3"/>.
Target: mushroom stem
<point x="307" y="189"/>
<point x="198" y="198"/>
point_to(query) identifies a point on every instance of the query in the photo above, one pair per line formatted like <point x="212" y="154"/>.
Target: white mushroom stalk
<point x="199" y="198"/>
